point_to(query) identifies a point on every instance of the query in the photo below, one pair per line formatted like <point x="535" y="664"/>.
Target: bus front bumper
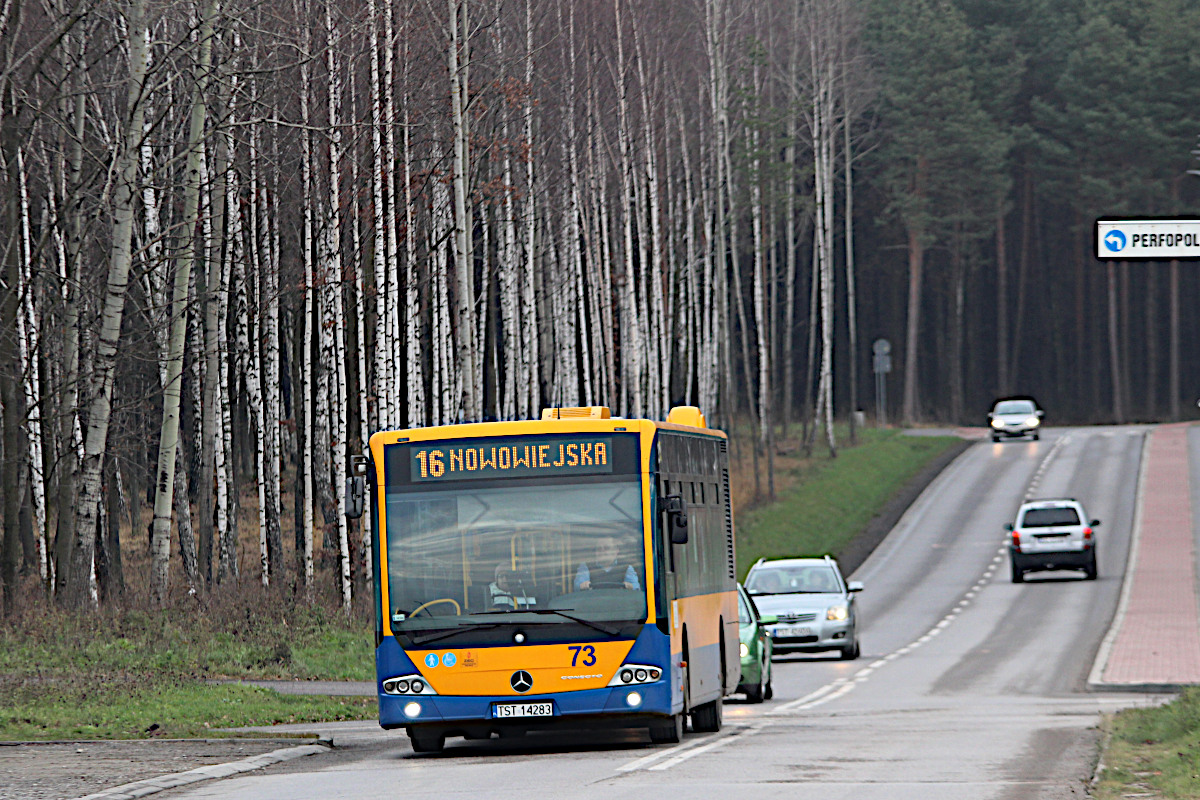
<point x="623" y="706"/>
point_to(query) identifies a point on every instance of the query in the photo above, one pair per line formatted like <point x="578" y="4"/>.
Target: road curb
<point x="149" y="786"/>
<point x="1094" y="681"/>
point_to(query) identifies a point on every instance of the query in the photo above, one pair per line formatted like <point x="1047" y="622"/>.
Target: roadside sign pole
<point x="882" y="364"/>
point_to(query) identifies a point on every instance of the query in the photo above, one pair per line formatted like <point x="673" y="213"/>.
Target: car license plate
<point x="514" y="710"/>
<point x="788" y="631"/>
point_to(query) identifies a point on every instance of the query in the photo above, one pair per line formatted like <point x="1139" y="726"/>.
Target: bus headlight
<point x="407" y="684"/>
<point x="633" y="674"/>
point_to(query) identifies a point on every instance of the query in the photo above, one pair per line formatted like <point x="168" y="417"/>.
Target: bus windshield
<point x="541" y="552"/>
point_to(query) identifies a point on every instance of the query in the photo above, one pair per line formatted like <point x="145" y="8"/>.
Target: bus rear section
<point x="519" y="584"/>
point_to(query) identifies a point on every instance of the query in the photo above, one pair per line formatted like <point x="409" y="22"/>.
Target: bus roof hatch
<point x="580" y="412"/>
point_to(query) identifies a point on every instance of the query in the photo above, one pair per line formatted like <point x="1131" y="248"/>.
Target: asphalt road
<point x="969" y="686"/>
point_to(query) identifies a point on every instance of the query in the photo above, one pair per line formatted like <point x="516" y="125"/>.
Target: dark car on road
<point x="1015" y="416"/>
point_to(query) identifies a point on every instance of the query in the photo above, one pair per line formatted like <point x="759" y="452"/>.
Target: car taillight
<point x="1087" y="537"/>
<point x="1016" y="538"/>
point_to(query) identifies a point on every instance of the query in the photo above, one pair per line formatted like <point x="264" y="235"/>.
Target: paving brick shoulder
<point x="1154" y="642"/>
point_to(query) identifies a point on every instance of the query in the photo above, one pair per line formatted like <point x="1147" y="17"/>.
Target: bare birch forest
<point x="240" y="237"/>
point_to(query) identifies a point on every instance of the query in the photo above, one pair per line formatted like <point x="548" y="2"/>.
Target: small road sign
<point x="1148" y="239"/>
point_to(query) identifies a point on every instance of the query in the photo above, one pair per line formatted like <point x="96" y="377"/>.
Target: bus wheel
<point x="669" y="732"/>
<point x="707" y="718"/>
<point x="427" y="741"/>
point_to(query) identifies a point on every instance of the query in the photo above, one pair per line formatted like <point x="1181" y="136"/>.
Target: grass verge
<point x="134" y="674"/>
<point x="832" y="500"/>
<point x="1153" y="752"/>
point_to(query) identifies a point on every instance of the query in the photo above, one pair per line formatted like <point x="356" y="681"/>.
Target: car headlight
<point x="837" y="613"/>
<point x="745" y="651"/>
<point x="1033" y="422"/>
<point x="997" y="423"/>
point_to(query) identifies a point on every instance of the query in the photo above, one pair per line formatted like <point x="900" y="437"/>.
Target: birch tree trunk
<point x="631" y="342"/>
<point x="393" y="386"/>
<point x="71" y="442"/>
<point x="306" y="389"/>
<point x="466" y="354"/>
<point x="29" y="335"/>
<point x="656" y="288"/>
<point x="418" y="413"/>
<point x="531" y="362"/>
<point x="163" y="501"/>
<point x="230" y="267"/>
<point x="336" y="363"/>
<point x="79" y="592"/>
<point x="268" y="350"/>
<point x="383" y="273"/>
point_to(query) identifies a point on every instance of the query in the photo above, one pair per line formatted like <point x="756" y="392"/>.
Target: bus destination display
<point x="506" y="458"/>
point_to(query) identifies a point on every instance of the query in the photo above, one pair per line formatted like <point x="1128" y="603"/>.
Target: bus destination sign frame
<point x="506" y="457"/>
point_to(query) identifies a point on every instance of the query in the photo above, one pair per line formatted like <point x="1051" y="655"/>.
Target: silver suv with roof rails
<point x="1052" y="534"/>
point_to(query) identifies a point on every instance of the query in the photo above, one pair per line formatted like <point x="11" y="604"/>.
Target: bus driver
<point x="607" y="570"/>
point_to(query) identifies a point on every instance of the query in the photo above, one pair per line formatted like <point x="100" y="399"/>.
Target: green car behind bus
<point x="756" y="649"/>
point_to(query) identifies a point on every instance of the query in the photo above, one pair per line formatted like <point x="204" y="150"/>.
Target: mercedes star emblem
<point x="521" y="681"/>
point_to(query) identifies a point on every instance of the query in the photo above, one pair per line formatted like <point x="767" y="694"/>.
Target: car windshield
<point x="1048" y="517"/>
<point x="744" y="617"/>
<point x="538" y="553"/>
<point x="1014" y="407"/>
<point x="816" y="579"/>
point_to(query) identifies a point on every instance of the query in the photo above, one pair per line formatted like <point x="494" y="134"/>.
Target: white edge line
<point x="712" y="745"/>
<point x="644" y="760"/>
<point x="808" y="698"/>
<point x="1095" y="677"/>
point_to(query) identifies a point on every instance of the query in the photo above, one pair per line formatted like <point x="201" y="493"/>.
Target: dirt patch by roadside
<point x="62" y="770"/>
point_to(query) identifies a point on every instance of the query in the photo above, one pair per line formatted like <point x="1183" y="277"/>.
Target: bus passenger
<point x="608" y="570"/>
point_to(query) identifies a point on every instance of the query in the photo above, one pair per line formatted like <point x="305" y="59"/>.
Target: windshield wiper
<point x="460" y="628"/>
<point x="594" y="625"/>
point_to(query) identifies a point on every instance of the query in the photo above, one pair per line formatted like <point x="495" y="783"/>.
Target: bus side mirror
<point x="356" y="497"/>
<point x="677" y="518"/>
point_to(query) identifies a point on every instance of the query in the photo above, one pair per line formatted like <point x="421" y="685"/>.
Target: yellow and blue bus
<point x="575" y="571"/>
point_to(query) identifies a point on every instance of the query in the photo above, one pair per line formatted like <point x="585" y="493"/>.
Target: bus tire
<point x="669" y="732"/>
<point x="707" y="718"/>
<point x="427" y="741"/>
